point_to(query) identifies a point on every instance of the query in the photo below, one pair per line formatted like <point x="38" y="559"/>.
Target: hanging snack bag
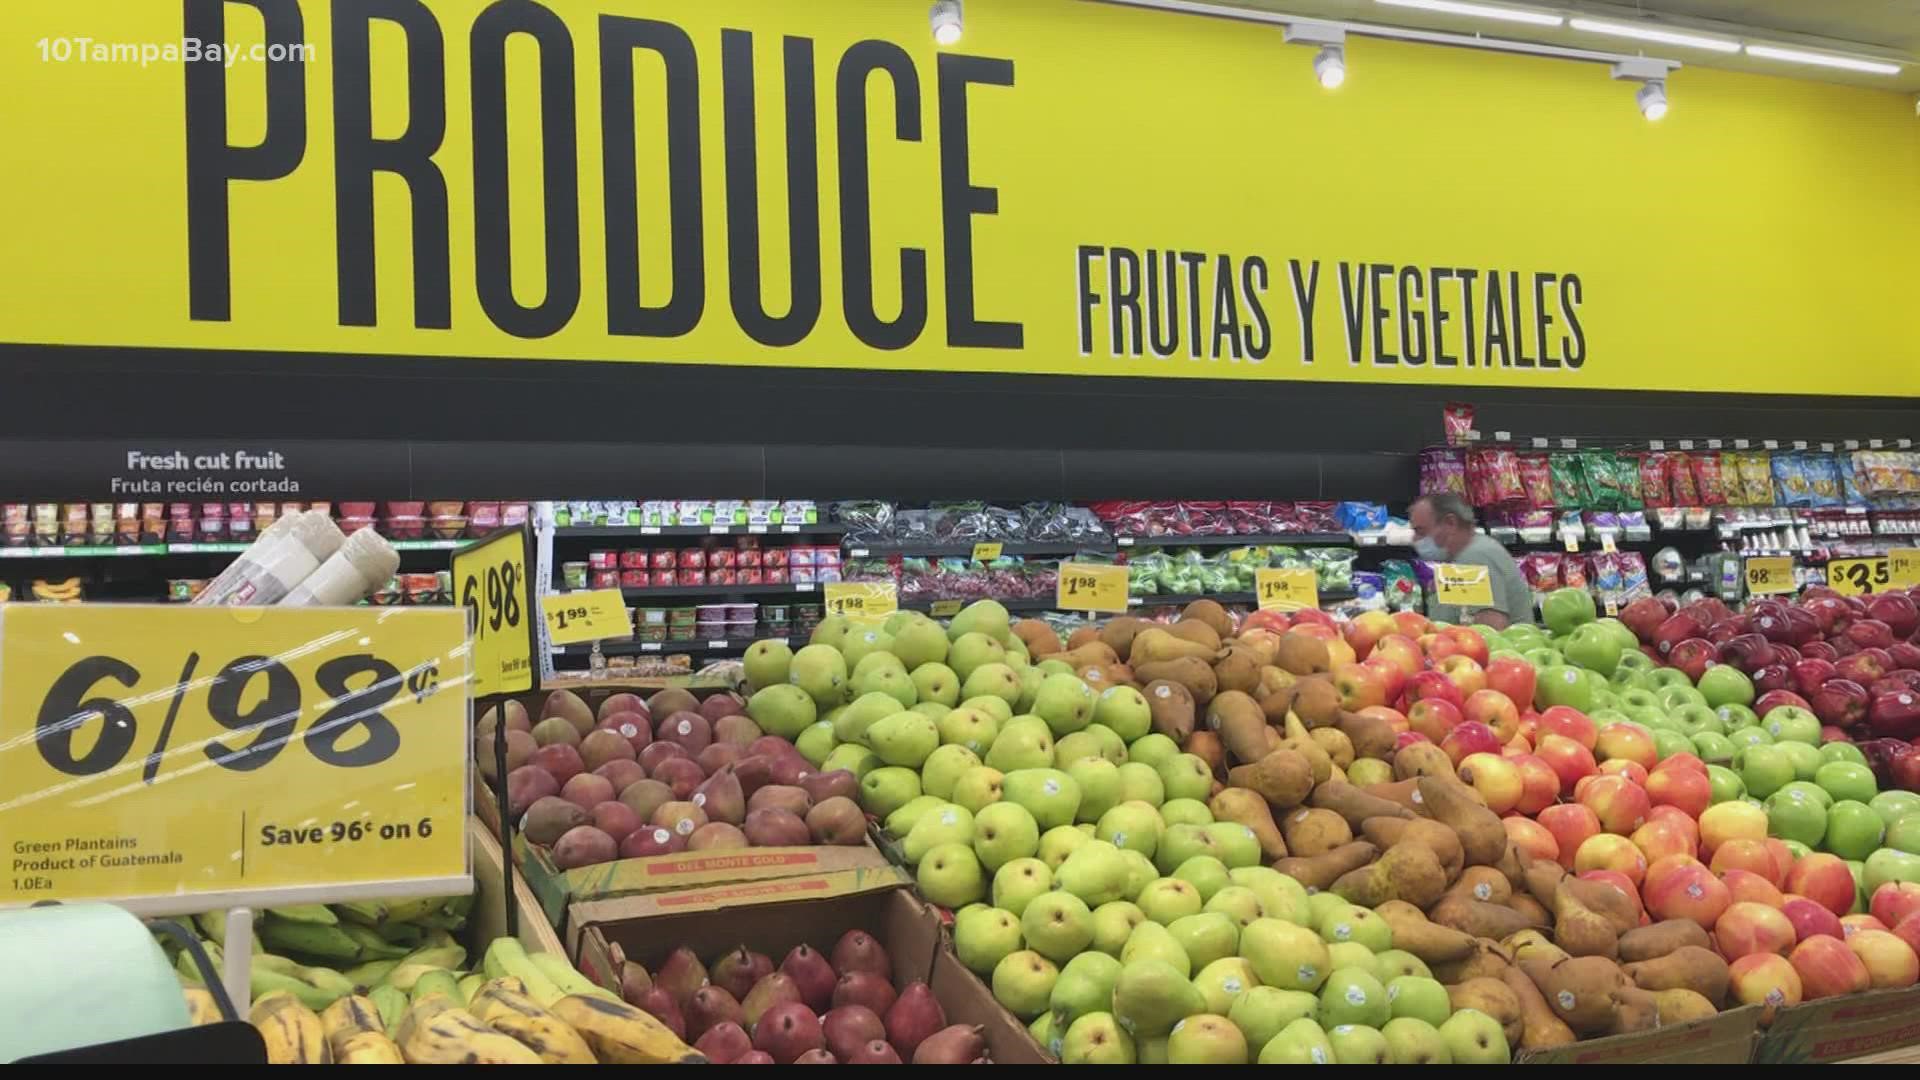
<point x="1542" y="571"/>
<point x="1823" y="480"/>
<point x="1573" y="571"/>
<point x="1457" y="420"/>
<point x="1707" y="479"/>
<point x="1756" y="479"/>
<point x="1569" y="486"/>
<point x="1536" y="481"/>
<point x="1654" y="489"/>
<point x="1792" y="484"/>
<point x="1680" y="477"/>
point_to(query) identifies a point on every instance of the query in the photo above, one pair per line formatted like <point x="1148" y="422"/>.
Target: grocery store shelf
<point x="666" y="592"/>
<point x="1015" y="606"/>
<point x="637" y="532"/>
<point x="1327" y="539"/>
<point x="1330" y="596"/>
<point x="1058" y="548"/>
<point x="650" y="648"/>
<point x="220" y="547"/>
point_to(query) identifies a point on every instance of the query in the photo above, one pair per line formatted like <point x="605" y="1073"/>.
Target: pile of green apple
<point x="1093" y="888"/>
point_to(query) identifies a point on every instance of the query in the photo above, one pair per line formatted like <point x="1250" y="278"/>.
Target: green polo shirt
<point x="1510" y="592"/>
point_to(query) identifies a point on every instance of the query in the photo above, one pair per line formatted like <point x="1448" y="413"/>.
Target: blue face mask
<point x="1428" y="549"/>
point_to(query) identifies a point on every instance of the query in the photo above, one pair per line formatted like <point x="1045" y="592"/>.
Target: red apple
<point x="1897" y="610"/>
<point x="1676" y="628"/>
<point x="1570" y="722"/>
<point x="1773" y="699"/>
<point x="1360" y="686"/>
<point x="1400" y="651"/>
<point x="1470" y="738"/>
<point x="1865" y="666"/>
<point x="1460" y="641"/>
<point x="1894" y="901"/>
<point x="1514" y="678"/>
<point x="1841" y="702"/>
<point x="1433" y="684"/>
<point x="1568" y="759"/>
<point x="1570" y="824"/>
<point x="1266" y="619"/>
<point x="1824" y="879"/>
<point x="1691" y="791"/>
<point x="1764" y="979"/>
<point x="1746" y="928"/>
<point x="1890" y="962"/>
<point x="1532" y="838"/>
<point x="1619" y="803"/>
<point x="1408" y="738"/>
<point x="1542" y="784"/>
<point x="1693" y="656"/>
<point x="1895" y="715"/>
<point x="1773" y="677"/>
<point x="1644" y="617"/>
<point x="1854" y="924"/>
<point x="1745" y="886"/>
<point x="1497" y="779"/>
<point x="1819" y="650"/>
<point x="1748" y="652"/>
<point x="1434" y="717"/>
<point x="1412" y="624"/>
<point x="1467" y="674"/>
<point x="1785" y="654"/>
<point x="1905" y="656"/>
<point x="1733" y="820"/>
<point x="1496" y="710"/>
<point x="1908" y="930"/>
<point x="1366" y="630"/>
<point x="1749" y="854"/>
<point x="1810" y="675"/>
<point x="1691" y="892"/>
<point x="1827" y="968"/>
<point x="1681" y="820"/>
<point x="1632" y="770"/>
<point x="1391" y="716"/>
<point x="1629" y="741"/>
<point x="1659" y="838"/>
<point x="1869" y="633"/>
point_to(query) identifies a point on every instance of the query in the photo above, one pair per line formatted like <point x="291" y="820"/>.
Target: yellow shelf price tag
<point x="490" y="580"/>
<point x="944" y="609"/>
<point x="861" y="599"/>
<point x="1903" y="567"/>
<point x="178" y="759"/>
<point x="986" y="552"/>
<point x="1286" y="589"/>
<point x="578" y="617"/>
<point x="1091" y="587"/>
<point x="1770" y="575"/>
<point x="1859" y="577"/>
<point x="1463" y="585"/>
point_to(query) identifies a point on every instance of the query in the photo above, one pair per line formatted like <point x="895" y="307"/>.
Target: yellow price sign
<point x="1463" y="585"/>
<point x="944" y="609"/>
<point x="178" y="759"/>
<point x="1858" y="577"/>
<point x="491" y="581"/>
<point x="577" y="617"/>
<point x="986" y="552"/>
<point x="1091" y="587"/>
<point x="1286" y="590"/>
<point x="1903" y="567"/>
<point x="861" y="599"/>
<point x="1769" y="575"/>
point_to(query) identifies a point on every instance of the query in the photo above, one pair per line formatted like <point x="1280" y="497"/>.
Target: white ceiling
<point x="1879" y="29"/>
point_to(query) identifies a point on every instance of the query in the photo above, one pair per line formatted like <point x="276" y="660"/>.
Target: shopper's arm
<point x="1493" y="617"/>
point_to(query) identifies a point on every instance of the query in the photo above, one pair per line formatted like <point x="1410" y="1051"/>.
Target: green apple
<point x="983" y="936"/>
<point x="1234" y="844"/>
<point x="1691" y="720"/>
<point x="1842" y="751"/>
<point x="1099" y="781"/>
<point x="1672" y="697"/>
<point x="1140" y="782"/>
<point x="1668" y="743"/>
<point x="1563" y="610"/>
<point x="1096" y="1039"/>
<point x="1414" y="1042"/>
<point x="1394" y="963"/>
<point x="1357" y="924"/>
<point x="1420" y="998"/>
<point x="1889" y="864"/>
<point x="1058" y="925"/>
<point x="1474" y="1038"/>
<point x="1795" y="848"/>
<point x="1662" y="677"/>
<point x="1725" y="783"/>
<point x="1016" y="884"/>
<point x="1724" y="684"/>
<point x="1894" y="805"/>
<point x="1284" y="955"/>
<point x="1023" y="983"/>
<point x="978" y="788"/>
<point x="1791" y="723"/>
<point x="1846" y="779"/>
<point x="1178" y="843"/>
<point x="1049" y="794"/>
<point x="1749" y="736"/>
<point x="1151" y="941"/>
<point x="1626" y="678"/>
<point x="1806" y="759"/>
<point x="1113" y="924"/>
<point x="1206" y="873"/>
<point x="1186" y="777"/>
<point x="1595" y="648"/>
<point x="1763" y="768"/>
<point x="1614" y="715"/>
<point x="1713" y="749"/>
<point x="1152" y="750"/>
<point x="1124" y="711"/>
<point x="1261" y="1012"/>
<point x="1167" y="900"/>
<point x="1795" y="815"/>
<point x="1206" y="937"/>
<point x="1812" y="791"/>
<point x="1185" y="812"/>
<point x="1543" y="657"/>
<point x="1003" y="832"/>
<point x="950" y="875"/>
<point x="1736" y="716"/>
<point x="1357" y="1044"/>
<point x="1353" y="996"/>
<point x="1903" y="834"/>
<point x="1563" y="684"/>
<point x="1854" y="831"/>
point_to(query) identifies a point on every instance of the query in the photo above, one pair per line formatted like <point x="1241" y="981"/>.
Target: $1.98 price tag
<point x="181" y="758"/>
<point x="1770" y="575"/>
<point x="860" y="599"/>
<point x="490" y="580"/>
<point x="1286" y="589"/>
<point x="1091" y="587"/>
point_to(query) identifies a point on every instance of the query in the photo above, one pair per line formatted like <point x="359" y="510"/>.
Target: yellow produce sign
<point x="1091" y="587"/>
<point x="576" y="617"/>
<point x="491" y="581"/>
<point x="861" y="599"/>
<point x="1286" y="590"/>
<point x="1857" y="577"/>
<point x="1903" y="567"/>
<point x="182" y="758"/>
<point x="1463" y="585"/>
<point x="1768" y="575"/>
<point x="817" y="185"/>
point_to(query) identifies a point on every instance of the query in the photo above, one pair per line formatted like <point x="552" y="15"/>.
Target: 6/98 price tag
<point x="173" y="757"/>
<point x="490" y="580"/>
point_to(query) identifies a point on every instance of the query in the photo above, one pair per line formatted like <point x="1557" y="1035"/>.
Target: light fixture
<point x="1649" y="33"/>
<point x="1845" y="63"/>
<point x="1653" y="99"/>
<point x="1480" y="11"/>
<point x="1330" y="67"/>
<point x="948" y="21"/>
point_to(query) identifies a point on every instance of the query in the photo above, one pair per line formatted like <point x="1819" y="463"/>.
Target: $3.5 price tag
<point x="1091" y="587"/>
<point x="1286" y="589"/>
<point x="1770" y="575"/>
<point x="860" y="599"/>
<point x="1859" y="577"/>
<point x="176" y="757"/>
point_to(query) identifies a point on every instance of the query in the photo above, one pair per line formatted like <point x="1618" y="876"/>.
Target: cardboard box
<point x="1726" y="1039"/>
<point x="969" y="1001"/>
<point x="557" y="888"/>
<point x="489" y="918"/>
<point x="1836" y="1029"/>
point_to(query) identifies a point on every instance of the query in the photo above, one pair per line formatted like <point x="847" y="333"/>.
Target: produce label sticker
<point x="986" y="552"/>
<point x="490" y="580"/>
<point x="177" y="759"/>
<point x="577" y="617"/>
<point x="1903" y="567"/>
<point x="861" y="599"/>
<point x="1286" y="589"/>
<point x="1091" y="587"/>
<point x="1768" y="575"/>
<point x="1858" y="577"/>
<point x="1461" y="585"/>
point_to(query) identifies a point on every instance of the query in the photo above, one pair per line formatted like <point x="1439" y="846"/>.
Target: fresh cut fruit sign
<point x="818" y="185"/>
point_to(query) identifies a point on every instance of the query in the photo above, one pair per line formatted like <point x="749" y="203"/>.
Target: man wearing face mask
<point x="1443" y="533"/>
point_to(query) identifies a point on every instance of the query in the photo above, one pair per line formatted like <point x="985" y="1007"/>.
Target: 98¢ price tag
<point x="1770" y="575"/>
<point x="179" y="758"/>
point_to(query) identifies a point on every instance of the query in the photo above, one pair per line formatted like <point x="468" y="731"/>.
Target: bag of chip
<point x="1680" y="480"/>
<point x="1653" y="479"/>
<point x="1569" y="484"/>
<point x="1536" y="481"/>
<point x="1706" y="479"/>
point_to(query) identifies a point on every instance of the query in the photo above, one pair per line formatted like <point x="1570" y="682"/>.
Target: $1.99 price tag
<point x="860" y="599"/>
<point x="490" y="580"/>
<point x="1286" y="589"/>
<point x="576" y="617"/>
<point x="1091" y="587"/>
<point x="1770" y="575"/>
<point x="181" y="758"/>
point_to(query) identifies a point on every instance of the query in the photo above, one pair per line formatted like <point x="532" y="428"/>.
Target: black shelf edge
<point x="1151" y="600"/>
<point x="1320" y="539"/>
<point x="668" y="592"/>
<point x="1060" y="549"/>
<point x="661" y="648"/>
<point x="649" y="532"/>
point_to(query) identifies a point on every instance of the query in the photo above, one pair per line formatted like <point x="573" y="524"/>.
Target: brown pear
<point x="721" y="798"/>
<point x="1483" y="883"/>
<point x="1081" y="636"/>
<point x="1540" y="1029"/>
<point x="1277" y="702"/>
<point x="1118" y="635"/>
<point x="1040" y="639"/>
<point x="1409" y="872"/>
<point x="1248" y="808"/>
<point x="1241" y="724"/>
<point x="1415" y="933"/>
<point x="1532" y="909"/>
<point x="1584" y="992"/>
<point x="1337" y="745"/>
<point x="1477" y="917"/>
<point x="1638" y="1010"/>
<point x="1661" y="938"/>
<point x="1483" y="839"/>
<point x="1206" y="746"/>
<point x="1487" y="958"/>
<point x="1309" y="831"/>
<point x="1689" y="967"/>
<point x="1491" y="995"/>
<point x="1211" y="613"/>
<point x="1321" y="871"/>
<point x="1399" y="791"/>
<point x="1316" y="703"/>
<point x="1238" y="670"/>
<point x="1282" y="777"/>
<point x="1191" y="672"/>
<point x="1090" y="654"/>
<point x="1272" y="681"/>
<point x="1680" y="1006"/>
<point x="1435" y="837"/>
<point x="1195" y="631"/>
<point x="1302" y="654"/>
<point x="1542" y="880"/>
<point x="1581" y="921"/>
<point x="1421" y="759"/>
<point x="1355" y="805"/>
<point x="1172" y="707"/>
<point x="1371" y="736"/>
<point x="1295" y="737"/>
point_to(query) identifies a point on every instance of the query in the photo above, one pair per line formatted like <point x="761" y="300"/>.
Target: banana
<point x="456" y="1037"/>
<point x="347" y="1017"/>
<point x="213" y="925"/>
<point x="310" y="939"/>
<point x="370" y="974"/>
<point x="363" y="912"/>
<point x="372" y="945"/>
<point x="391" y="1004"/>
<point x="405" y="935"/>
<point x="369" y="1048"/>
<point x="619" y="1034"/>
<point x="506" y="956"/>
<point x="403" y="911"/>
<point x="566" y="977"/>
<point x="510" y="1012"/>
<point x="292" y="1031"/>
<point x="327" y="980"/>
<point x="436" y="982"/>
<point x="200" y="1007"/>
<point x="418" y="1015"/>
<point x="469" y="986"/>
<point x="190" y="971"/>
<point x="462" y="906"/>
<point x="264" y="983"/>
<point x="305" y="913"/>
<point x="435" y="956"/>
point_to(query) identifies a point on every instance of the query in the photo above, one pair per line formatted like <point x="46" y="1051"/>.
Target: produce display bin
<point x="1726" y="1039"/>
<point x="1843" y="1028"/>
<point x="970" y="1001"/>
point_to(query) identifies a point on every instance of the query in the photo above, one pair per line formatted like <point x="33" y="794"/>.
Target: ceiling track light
<point x="1480" y="11"/>
<point x="1652" y="75"/>
<point x="1330" y="63"/>
<point x="1655" y="34"/>
<point x="1330" y="67"/>
<point x="1653" y="100"/>
<point x="949" y="22"/>
<point x="1827" y="60"/>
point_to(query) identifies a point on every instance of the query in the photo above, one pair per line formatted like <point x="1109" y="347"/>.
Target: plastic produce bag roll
<point x="237" y="568"/>
<point x="363" y="562"/>
<point x="269" y="570"/>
